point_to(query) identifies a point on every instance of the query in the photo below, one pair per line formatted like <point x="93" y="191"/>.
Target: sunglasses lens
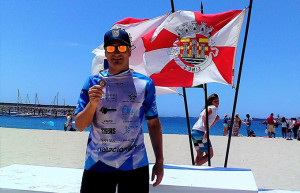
<point x="110" y="48"/>
<point x="122" y="48"/>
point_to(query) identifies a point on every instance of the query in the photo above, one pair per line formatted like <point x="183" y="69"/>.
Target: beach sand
<point x="275" y="162"/>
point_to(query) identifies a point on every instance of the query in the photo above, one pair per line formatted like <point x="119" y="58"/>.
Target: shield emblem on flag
<point x="194" y="48"/>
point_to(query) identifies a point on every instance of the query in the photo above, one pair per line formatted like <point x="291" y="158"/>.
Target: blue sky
<point x="45" y="48"/>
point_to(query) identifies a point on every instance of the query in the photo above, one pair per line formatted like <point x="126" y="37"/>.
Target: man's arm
<point x="84" y="118"/>
<point x="155" y="133"/>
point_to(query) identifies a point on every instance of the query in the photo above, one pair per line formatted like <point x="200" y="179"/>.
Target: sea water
<point x="170" y="125"/>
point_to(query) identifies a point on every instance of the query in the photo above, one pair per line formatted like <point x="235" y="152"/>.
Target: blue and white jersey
<point x="116" y="141"/>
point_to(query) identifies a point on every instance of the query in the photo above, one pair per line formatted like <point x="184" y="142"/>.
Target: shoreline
<point x="275" y="162"/>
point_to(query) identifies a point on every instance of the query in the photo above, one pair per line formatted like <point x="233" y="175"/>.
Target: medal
<point x="102" y="83"/>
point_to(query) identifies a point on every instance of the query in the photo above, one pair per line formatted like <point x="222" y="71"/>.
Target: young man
<point x="116" y="102"/>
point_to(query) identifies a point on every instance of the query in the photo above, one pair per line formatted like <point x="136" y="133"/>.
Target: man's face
<point x="118" y="61"/>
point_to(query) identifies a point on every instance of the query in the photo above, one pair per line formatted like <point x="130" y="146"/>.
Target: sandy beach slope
<point x="275" y="162"/>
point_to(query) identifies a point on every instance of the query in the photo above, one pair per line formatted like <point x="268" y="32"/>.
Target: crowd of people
<point x="237" y="123"/>
<point x="289" y="127"/>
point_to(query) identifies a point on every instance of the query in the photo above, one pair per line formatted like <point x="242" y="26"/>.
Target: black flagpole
<point x="186" y="109"/>
<point x="207" y="126"/>
<point x="172" y="5"/>
<point x="206" y="112"/>
<point x="188" y="124"/>
<point x="238" y="83"/>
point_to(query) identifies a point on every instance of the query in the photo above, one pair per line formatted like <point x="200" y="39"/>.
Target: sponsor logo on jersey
<point x="129" y="140"/>
<point x="110" y="97"/>
<point x="129" y="129"/>
<point x="116" y="149"/>
<point x="108" y="140"/>
<point x="119" y="83"/>
<point x="128" y="111"/>
<point x="108" y="122"/>
<point x="132" y="96"/>
<point x="108" y="130"/>
<point x="129" y="121"/>
<point x="104" y="110"/>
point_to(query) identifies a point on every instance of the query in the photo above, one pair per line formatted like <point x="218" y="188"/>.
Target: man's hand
<point x="158" y="171"/>
<point x="95" y="94"/>
<point x="85" y="117"/>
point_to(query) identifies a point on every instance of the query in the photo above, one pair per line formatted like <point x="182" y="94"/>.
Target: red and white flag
<point x="136" y="28"/>
<point x="190" y="48"/>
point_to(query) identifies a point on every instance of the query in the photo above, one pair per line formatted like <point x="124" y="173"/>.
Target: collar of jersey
<point x="106" y="73"/>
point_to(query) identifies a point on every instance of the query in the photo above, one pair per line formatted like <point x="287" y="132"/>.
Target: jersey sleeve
<point x="150" y="107"/>
<point x="84" y="96"/>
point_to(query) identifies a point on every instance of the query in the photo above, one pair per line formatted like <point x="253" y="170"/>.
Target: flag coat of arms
<point x="190" y="48"/>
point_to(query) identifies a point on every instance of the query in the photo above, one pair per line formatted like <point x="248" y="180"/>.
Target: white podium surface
<point x="29" y="178"/>
<point x="187" y="178"/>
<point x="177" y="178"/>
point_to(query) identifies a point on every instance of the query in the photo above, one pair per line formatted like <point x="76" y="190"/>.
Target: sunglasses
<point x="111" y="49"/>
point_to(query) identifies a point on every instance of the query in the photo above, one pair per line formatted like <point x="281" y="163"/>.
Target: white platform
<point x="30" y="178"/>
<point x="177" y="178"/>
<point x="187" y="178"/>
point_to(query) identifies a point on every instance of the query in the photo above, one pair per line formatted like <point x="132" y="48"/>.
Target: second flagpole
<point x="238" y="85"/>
<point x="186" y="109"/>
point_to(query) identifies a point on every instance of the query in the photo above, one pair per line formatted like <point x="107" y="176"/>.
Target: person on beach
<point x="229" y="123"/>
<point x="68" y="123"/>
<point x="199" y="130"/>
<point x="116" y="102"/>
<point x="248" y="125"/>
<point x="298" y="125"/>
<point x="295" y="128"/>
<point x="270" y="124"/>
<point x="290" y="128"/>
<point x="283" y="127"/>
<point x="236" y="125"/>
<point x="225" y="125"/>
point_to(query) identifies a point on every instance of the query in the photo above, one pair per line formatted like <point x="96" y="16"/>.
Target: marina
<point x="34" y="110"/>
